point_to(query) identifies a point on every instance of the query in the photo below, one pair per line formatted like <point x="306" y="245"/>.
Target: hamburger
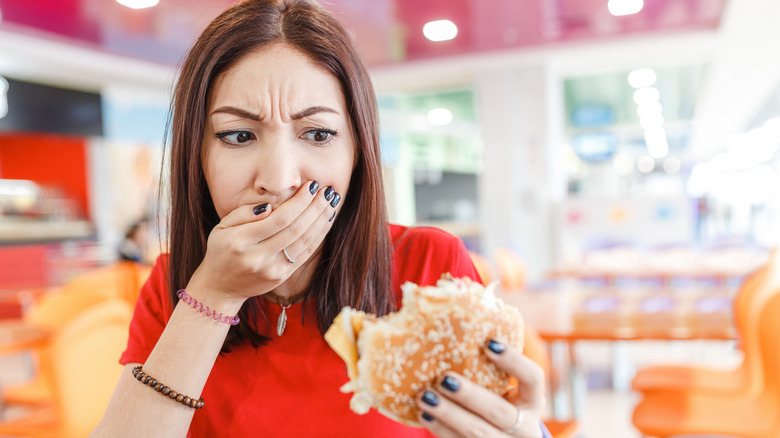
<point x="390" y="359"/>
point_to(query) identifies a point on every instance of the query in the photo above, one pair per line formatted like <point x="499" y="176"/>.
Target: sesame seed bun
<point x="391" y="359"/>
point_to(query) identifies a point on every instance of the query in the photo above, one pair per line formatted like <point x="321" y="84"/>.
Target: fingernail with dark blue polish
<point x="427" y="417"/>
<point x="430" y="398"/>
<point x="336" y="200"/>
<point x="450" y="383"/>
<point x="332" y="216"/>
<point x="496" y="347"/>
<point x="329" y="192"/>
<point x="259" y="209"/>
<point x="313" y="187"/>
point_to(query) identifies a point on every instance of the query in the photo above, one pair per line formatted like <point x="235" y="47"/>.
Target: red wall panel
<point x="52" y="161"/>
<point x="23" y="266"/>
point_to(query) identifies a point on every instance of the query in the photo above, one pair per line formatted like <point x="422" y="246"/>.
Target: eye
<point x="320" y="136"/>
<point x="235" y="138"/>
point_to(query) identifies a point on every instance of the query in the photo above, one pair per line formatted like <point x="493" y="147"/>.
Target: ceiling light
<point x="649" y="109"/>
<point x="138" y="4"/>
<point x="672" y="165"/>
<point x="760" y="147"/>
<point x="646" y="95"/>
<point x="623" y="164"/>
<point x="657" y="143"/>
<point x="757" y="145"/>
<point x="624" y="7"/>
<point x="651" y="121"/>
<point x="755" y="185"/>
<point x="439" y="116"/>
<point x="645" y="164"/>
<point x="703" y="178"/>
<point x="641" y="78"/>
<point x="732" y="161"/>
<point x="440" y="30"/>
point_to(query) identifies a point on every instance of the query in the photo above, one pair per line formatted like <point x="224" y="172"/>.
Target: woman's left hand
<point x="457" y="407"/>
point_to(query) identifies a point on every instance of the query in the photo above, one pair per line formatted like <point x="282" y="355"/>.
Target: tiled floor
<point x="606" y="413"/>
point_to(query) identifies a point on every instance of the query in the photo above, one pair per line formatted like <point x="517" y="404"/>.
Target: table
<point x="553" y="313"/>
<point x="665" y="265"/>
<point x="666" y="276"/>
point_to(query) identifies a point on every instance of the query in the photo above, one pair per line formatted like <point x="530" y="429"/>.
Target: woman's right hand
<point x="244" y="251"/>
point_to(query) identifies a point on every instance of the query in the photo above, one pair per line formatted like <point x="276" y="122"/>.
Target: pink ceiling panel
<point x="386" y="31"/>
<point x="590" y="18"/>
<point x="509" y="23"/>
<point x="413" y="14"/>
<point x="373" y="27"/>
<point x="62" y="17"/>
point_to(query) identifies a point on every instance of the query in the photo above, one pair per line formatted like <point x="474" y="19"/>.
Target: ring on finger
<point x="519" y="422"/>
<point x="287" y="256"/>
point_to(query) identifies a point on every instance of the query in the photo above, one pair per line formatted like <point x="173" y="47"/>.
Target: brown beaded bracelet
<point x="146" y="379"/>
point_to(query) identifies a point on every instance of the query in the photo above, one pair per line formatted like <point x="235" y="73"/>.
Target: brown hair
<point x="355" y="263"/>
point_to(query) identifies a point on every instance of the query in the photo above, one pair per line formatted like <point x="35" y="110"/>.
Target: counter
<point x="15" y="230"/>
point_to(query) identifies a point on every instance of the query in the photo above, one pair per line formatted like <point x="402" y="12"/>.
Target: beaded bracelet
<point x="232" y="320"/>
<point x="146" y="379"/>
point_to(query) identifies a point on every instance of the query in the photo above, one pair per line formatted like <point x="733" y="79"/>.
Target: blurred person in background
<point x="278" y="209"/>
<point x="134" y="245"/>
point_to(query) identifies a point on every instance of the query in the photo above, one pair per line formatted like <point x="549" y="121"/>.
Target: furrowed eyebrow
<point x="237" y="112"/>
<point x="311" y="111"/>
<point x="256" y="117"/>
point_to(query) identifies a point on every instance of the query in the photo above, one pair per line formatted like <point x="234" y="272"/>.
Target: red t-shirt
<point x="290" y="387"/>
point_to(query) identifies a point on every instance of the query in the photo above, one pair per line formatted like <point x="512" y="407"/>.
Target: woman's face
<point x="275" y="120"/>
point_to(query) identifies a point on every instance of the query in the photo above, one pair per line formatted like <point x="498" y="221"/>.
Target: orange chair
<point x="512" y="270"/>
<point x="534" y="349"/>
<point x="52" y="312"/>
<point x="744" y="414"/>
<point x="753" y="293"/>
<point x="122" y="280"/>
<point x="483" y="267"/>
<point x="85" y="357"/>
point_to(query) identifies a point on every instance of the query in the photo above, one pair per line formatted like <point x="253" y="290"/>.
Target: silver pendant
<point x="281" y="324"/>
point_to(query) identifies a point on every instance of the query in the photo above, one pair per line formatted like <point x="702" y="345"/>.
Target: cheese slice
<point x="342" y="337"/>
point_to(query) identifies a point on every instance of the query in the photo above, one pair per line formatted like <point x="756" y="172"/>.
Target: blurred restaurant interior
<point x="613" y="163"/>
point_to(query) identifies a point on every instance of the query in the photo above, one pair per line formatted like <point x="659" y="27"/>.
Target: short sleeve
<point x="422" y="254"/>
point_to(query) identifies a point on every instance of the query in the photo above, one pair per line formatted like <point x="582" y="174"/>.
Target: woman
<point x="278" y="216"/>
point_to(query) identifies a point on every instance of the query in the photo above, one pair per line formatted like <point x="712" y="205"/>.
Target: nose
<point x="278" y="167"/>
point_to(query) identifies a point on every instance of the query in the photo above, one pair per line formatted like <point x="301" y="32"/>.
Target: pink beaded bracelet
<point x="232" y="320"/>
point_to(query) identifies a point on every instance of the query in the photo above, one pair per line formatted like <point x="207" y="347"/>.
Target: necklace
<point x="281" y="323"/>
